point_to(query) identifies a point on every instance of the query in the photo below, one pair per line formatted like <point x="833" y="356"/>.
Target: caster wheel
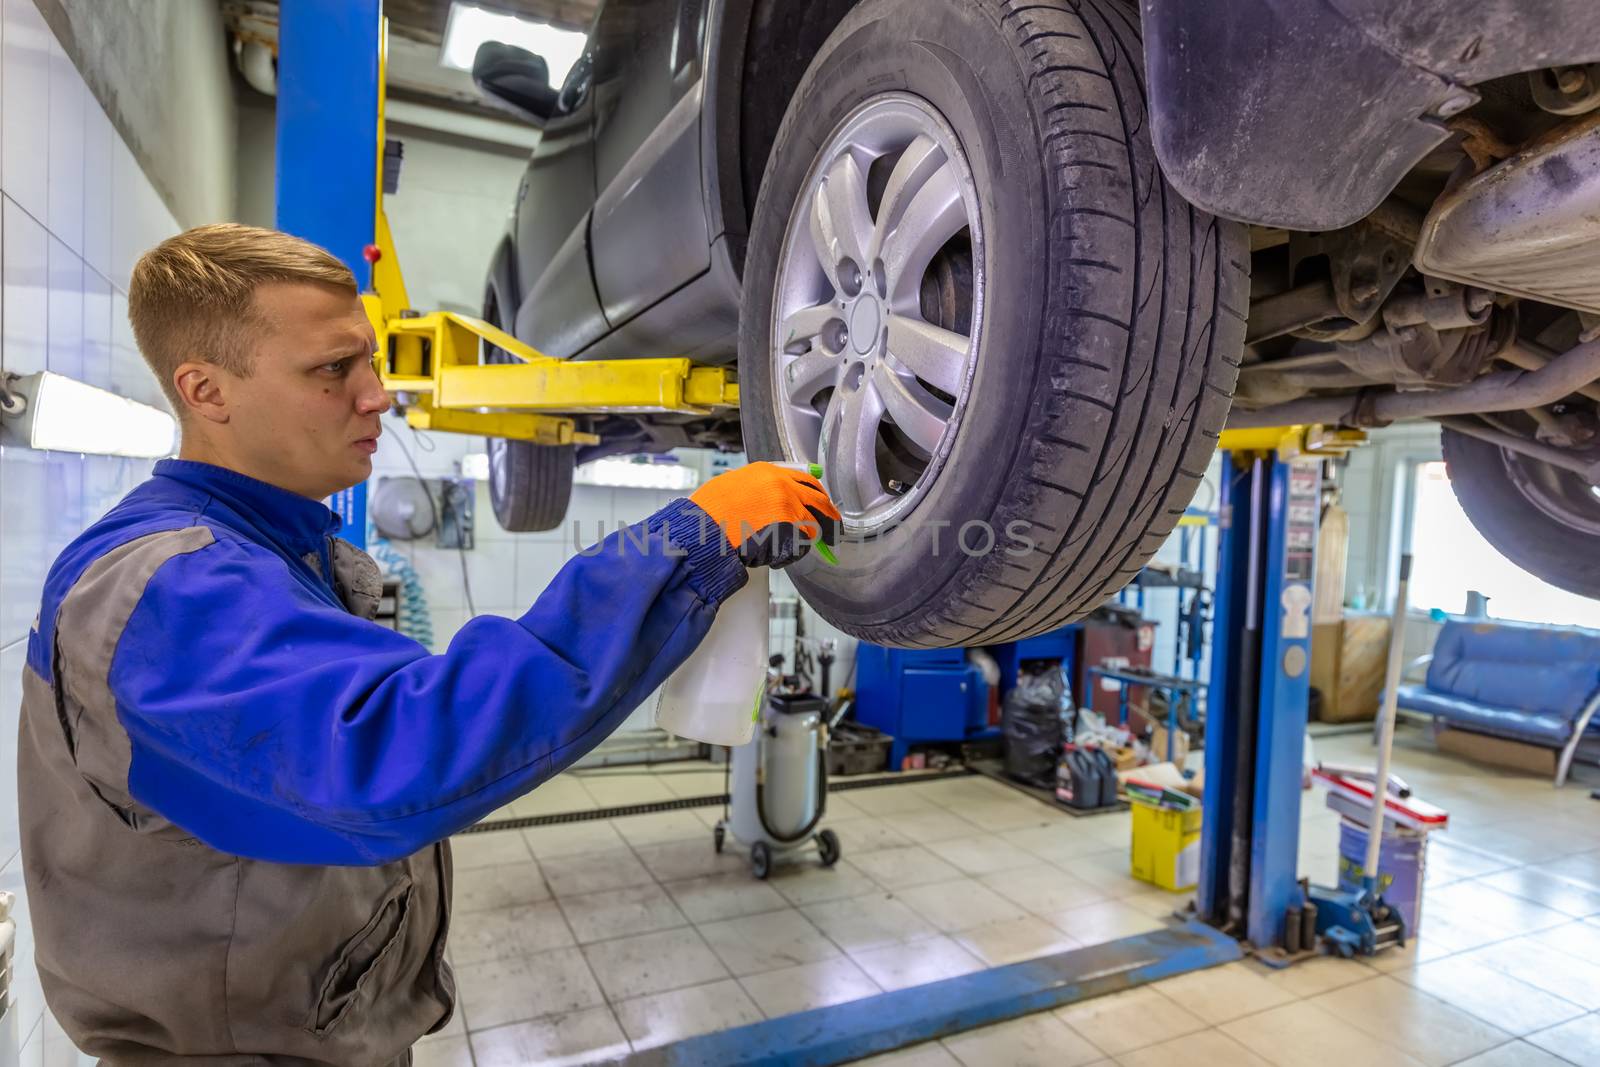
<point x="718" y="836"/>
<point x="828" y="845"/>
<point x="760" y="859"/>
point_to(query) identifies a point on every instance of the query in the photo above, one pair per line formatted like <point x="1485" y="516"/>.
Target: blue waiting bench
<point x="1517" y="681"/>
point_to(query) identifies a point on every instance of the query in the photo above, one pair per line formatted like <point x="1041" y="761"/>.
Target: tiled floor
<point x="576" y="942"/>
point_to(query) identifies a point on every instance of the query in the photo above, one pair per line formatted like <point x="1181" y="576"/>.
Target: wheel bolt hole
<point x="834" y="336"/>
<point x="849" y="277"/>
<point x="881" y="277"/>
<point x="853" y="376"/>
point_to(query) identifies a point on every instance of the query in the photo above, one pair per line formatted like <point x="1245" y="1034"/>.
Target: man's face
<point x="306" y="418"/>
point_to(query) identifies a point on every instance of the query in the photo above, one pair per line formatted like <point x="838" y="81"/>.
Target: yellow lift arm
<point x="430" y="362"/>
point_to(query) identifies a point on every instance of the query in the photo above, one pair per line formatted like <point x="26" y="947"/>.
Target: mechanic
<point x="236" y="790"/>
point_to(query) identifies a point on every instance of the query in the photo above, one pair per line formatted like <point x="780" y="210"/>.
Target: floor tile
<point x="1583" y="867"/>
<point x="1001" y="815"/>
<point x="594" y="872"/>
<point x="929" y="959"/>
<point x="1108" y="920"/>
<point x="1316" y="975"/>
<point x="1580" y="939"/>
<point x="1429" y="1029"/>
<point x="869" y="922"/>
<point x="481" y="936"/>
<point x="639" y="909"/>
<point x="572" y="839"/>
<point x="808" y="985"/>
<point x="891" y="800"/>
<point x="1218" y="994"/>
<point x="767" y="942"/>
<point x="1208" y="1048"/>
<point x="928" y="1054"/>
<point x="1481" y="904"/>
<point x="725" y="896"/>
<point x="1577" y="1041"/>
<point x="984" y="854"/>
<point x="469" y="851"/>
<point x="1494" y="997"/>
<point x="655" y="1020"/>
<point x="443" y="1052"/>
<point x="953" y="906"/>
<point x="861" y="837"/>
<point x="1011" y="940"/>
<point x="526" y="987"/>
<point x="1133" y="1019"/>
<point x="1301" y="1035"/>
<point x="1569" y="898"/>
<point x="661" y="826"/>
<point x="925" y="826"/>
<point x="563" y="793"/>
<point x="1039" y="1040"/>
<point x="1515" y="1054"/>
<point x="488" y="888"/>
<point x="812" y="883"/>
<point x="901" y="868"/>
<point x="652" y="963"/>
<point x="1043" y="888"/>
<point x="697" y="783"/>
<point x="673" y="861"/>
<point x="1567" y="976"/>
<point x="1058" y="840"/>
<point x="577" y="1037"/>
<point x="616" y="790"/>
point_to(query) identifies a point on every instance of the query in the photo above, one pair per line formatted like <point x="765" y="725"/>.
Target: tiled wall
<point x="75" y="211"/>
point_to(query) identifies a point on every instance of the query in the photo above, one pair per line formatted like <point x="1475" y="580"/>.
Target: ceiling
<point x="424" y="20"/>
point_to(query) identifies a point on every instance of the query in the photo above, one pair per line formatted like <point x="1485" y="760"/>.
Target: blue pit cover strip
<point x="849" y="1031"/>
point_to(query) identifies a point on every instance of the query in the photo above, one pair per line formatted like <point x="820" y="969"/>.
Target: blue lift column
<point x="327" y="147"/>
<point x="1259" y="692"/>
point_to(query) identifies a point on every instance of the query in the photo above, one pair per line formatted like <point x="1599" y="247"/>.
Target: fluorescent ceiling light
<point x="61" y="414"/>
<point x="470" y="26"/>
<point x="625" y="473"/>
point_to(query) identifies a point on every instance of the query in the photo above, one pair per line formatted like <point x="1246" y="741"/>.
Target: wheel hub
<point x="872" y="378"/>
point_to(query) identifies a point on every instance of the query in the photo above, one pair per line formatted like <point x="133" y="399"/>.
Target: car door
<point x="649" y="234"/>
<point x="560" y="311"/>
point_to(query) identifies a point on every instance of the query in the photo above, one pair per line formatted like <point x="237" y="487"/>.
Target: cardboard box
<point x="1515" y="755"/>
<point x="1348" y="658"/>
<point x="1158" y="746"/>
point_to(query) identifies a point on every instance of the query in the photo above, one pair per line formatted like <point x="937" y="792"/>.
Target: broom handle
<point x="1391" y="686"/>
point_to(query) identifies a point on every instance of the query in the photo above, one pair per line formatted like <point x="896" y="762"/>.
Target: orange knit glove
<point x="771" y="514"/>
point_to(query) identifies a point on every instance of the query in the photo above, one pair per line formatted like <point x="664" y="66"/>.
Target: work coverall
<point x="236" y="790"/>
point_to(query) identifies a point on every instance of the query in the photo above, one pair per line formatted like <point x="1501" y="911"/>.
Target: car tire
<point x="530" y="486"/>
<point x="1110" y="336"/>
<point x="1516" y="503"/>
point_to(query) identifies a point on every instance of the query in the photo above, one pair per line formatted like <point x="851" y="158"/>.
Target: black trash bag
<point x="1036" y="719"/>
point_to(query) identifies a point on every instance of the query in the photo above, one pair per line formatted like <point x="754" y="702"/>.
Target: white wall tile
<point x="126" y="232"/>
<point x="491" y="568"/>
<point x="25" y="118"/>
<point x="23" y="529"/>
<point x="65" y="303"/>
<point x="97" y="307"/>
<point x="24" y="275"/>
<point x="538" y="563"/>
<point x="12" y="658"/>
<point x="68" y="96"/>
<point x="98" y="138"/>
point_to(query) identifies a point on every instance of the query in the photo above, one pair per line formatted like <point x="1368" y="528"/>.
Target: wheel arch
<point x="502" y="277"/>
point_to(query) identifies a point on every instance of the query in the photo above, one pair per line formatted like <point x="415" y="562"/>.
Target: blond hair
<point x="192" y="296"/>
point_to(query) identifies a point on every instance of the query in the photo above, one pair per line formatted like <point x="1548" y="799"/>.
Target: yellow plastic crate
<point x="1166" y="846"/>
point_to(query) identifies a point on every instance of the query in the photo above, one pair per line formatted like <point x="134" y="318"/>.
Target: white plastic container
<point x="715" y="695"/>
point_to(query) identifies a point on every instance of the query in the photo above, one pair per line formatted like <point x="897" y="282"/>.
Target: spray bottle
<point x="715" y="696"/>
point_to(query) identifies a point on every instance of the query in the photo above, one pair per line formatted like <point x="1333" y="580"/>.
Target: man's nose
<point x="371" y="399"/>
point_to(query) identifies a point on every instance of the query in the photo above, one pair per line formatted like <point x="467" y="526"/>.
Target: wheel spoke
<point x="841" y="224"/>
<point x="806" y="376"/>
<point x="934" y="354"/>
<point x="932" y="216"/>
<point x="805" y="324"/>
<point x="920" y="161"/>
<point x="849" y="448"/>
<point x="919" y="414"/>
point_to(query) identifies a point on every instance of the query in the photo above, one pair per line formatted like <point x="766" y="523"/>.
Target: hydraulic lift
<point x="1269" y="504"/>
<point x="329" y="190"/>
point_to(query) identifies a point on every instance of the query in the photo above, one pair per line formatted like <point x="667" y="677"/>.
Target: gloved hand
<point x="770" y="514"/>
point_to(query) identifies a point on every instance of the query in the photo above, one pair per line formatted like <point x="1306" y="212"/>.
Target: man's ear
<point x="201" y="387"/>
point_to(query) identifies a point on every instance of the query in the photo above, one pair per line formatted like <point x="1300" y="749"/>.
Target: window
<point x="1449" y="557"/>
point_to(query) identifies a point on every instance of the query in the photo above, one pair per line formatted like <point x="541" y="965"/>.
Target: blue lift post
<point x="327" y="147"/>
<point x="1259" y="693"/>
